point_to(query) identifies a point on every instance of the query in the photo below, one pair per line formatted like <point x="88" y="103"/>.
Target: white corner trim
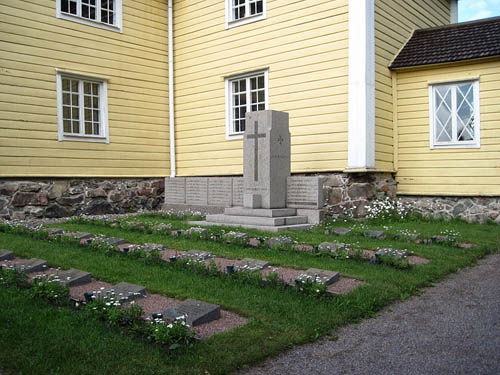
<point x="118" y="27"/>
<point x="230" y="23"/>
<point x="361" y="106"/>
<point x="453" y="11"/>
<point x="171" y="93"/>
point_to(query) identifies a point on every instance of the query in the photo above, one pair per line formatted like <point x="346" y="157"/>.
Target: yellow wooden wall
<point x="394" y="22"/>
<point x="33" y="43"/>
<point x="447" y="171"/>
<point x="305" y="46"/>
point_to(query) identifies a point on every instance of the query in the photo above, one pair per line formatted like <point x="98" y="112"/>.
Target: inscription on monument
<point x="175" y="190"/>
<point x="305" y="192"/>
<point x="197" y="191"/>
<point x="220" y="191"/>
<point x="237" y="191"/>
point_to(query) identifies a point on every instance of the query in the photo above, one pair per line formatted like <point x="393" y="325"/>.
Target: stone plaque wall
<point x="197" y="191"/>
<point x="220" y="191"/>
<point x="237" y="191"/>
<point x="305" y="192"/>
<point x="175" y="190"/>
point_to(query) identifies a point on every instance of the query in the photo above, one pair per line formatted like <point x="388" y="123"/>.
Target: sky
<point x="469" y="10"/>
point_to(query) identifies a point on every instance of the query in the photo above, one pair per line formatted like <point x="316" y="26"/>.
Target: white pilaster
<point x="454" y="11"/>
<point x="361" y="128"/>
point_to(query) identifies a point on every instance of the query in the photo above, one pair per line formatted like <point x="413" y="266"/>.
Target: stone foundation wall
<point x="472" y="209"/>
<point x="39" y="198"/>
<point x="350" y="193"/>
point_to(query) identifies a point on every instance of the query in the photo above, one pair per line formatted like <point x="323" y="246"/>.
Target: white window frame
<point x="476" y="143"/>
<point x="103" y="108"/>
<point x="117" y="27"/>
<point x="230" y="134"/>
<point x="231" y="22"/>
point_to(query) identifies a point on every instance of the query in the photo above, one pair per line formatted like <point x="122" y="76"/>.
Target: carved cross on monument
<point x="266" y="159"/>
<point x="256" y="137"/>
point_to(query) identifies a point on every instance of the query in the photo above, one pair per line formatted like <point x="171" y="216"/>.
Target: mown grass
<point x="277" y="319"/>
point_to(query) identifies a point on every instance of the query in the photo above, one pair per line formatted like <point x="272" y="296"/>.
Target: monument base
<point x="271" y="220"/>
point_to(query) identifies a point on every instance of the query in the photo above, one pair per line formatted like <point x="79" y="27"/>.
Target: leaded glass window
<point x="455" y="114"/>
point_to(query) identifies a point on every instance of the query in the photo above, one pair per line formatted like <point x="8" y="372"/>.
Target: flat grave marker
<point x="197" y="255"/>
<point x="127" y="290"/>
<point x="6" y="255"/>
<point x="113" y="241"/>
<point x="74" y="277"/>
<point x="322" y="276"/>
<point x="251" y="265"/>
<point x="31" y="265"/>
<point x="195" y="312"/>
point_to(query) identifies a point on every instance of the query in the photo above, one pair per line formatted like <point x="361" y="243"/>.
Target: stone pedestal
<point x="266" y="159"/>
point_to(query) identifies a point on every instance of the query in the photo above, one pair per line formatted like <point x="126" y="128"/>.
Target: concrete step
<point x="257" y="220"/>
<point x="261" y="212"/>
<point x="252" y="226"/>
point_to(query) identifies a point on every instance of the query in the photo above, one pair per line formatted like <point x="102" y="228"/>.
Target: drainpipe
<point x="171" y="88"/>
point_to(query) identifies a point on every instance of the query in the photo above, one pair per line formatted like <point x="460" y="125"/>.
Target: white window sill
<point x="455" y="145"/>
<point x="85" y="21"/>
<point x="232" y="137"/>
<point x="83" y="138"/>
<point x="244" y="21"/>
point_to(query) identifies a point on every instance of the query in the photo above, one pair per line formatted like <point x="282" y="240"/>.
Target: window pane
<point x="95" y="89"/>
<point x="465" y="112"/>
<point x="88" y="115"/>
<point x="64" y="5"/>
<point x="262" y="107"/>
<point x="67" y="126"/>
<point x="242" y="125"/>
<point x="76" y="127"/>
<point x="97" y="129"/>
<point x="260" y="6"/>
<point x="75" y="115"/>
<point x="87" y="88"/>
<point x="66" y="99"/>
<point x="253" y="83"/>
<point x="67" y="112"/>
<point x="96" y="116"/>
<point x="74" y="86"/>
<point x="65" y="84"/>
<point x="72" y="7"/>
<point x="95" y="101"/>
<point x="261" y="82"/>
<point x="262" y="96"/>
<point x="254" y="97"/>
<point x="87" y="102"/>
<point x="74" y="100"/>
<point x="88" y="128"/>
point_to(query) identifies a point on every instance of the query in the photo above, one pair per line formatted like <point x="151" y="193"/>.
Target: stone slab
<point x="260" y="212"/>
<point x="331" y="247"/>
<point x="195" y="312"/>
<point x="31" y="265"/>
<point x="220" y="191"/>
<point x="175" y="190"/>
<point x="266" y="158"/>
<point x="6" y="255"/>
<point x="127" y="290"/>
<point x="78" y="235"/>
<point x="197" y="190"/>
<point x="74" y="277"/>
<point x="341" y="231"/>
<point x="113" y="241"/>
<point x="198" y="255"/>
<point x="399" y="254"/>
<point x="313" y="216"/>
<point x="237" y="199"/>
<point x="258" y="227"/>
<point x="322" y="276"/>
<point x="305" y="192"/>
<point x="379" y="234"/>
<point x="251" y="265"/>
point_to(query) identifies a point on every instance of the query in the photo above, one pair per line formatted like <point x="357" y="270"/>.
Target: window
<point x="245" y="93"/>
<point x="101" y="13"/>
<point x="239" y="12"/>
<point x="82" y="108"/>
<point x="454" y="115"/>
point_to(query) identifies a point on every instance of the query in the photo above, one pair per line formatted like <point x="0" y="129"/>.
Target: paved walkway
<point x="453" y="328"/>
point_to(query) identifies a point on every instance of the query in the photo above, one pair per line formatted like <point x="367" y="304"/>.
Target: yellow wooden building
<point x="145" y="89"/>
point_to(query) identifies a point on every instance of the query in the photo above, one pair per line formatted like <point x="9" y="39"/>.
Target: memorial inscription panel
<point x="175" y="190"/>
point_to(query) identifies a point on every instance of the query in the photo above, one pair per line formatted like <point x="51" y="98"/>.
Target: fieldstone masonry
<point x="40" y="198"/>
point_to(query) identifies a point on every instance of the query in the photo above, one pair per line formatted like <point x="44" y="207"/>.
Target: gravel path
<point x="453" y="328"/>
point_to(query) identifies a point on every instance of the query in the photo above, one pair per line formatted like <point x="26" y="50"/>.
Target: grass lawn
<point x="278" y="319"/>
